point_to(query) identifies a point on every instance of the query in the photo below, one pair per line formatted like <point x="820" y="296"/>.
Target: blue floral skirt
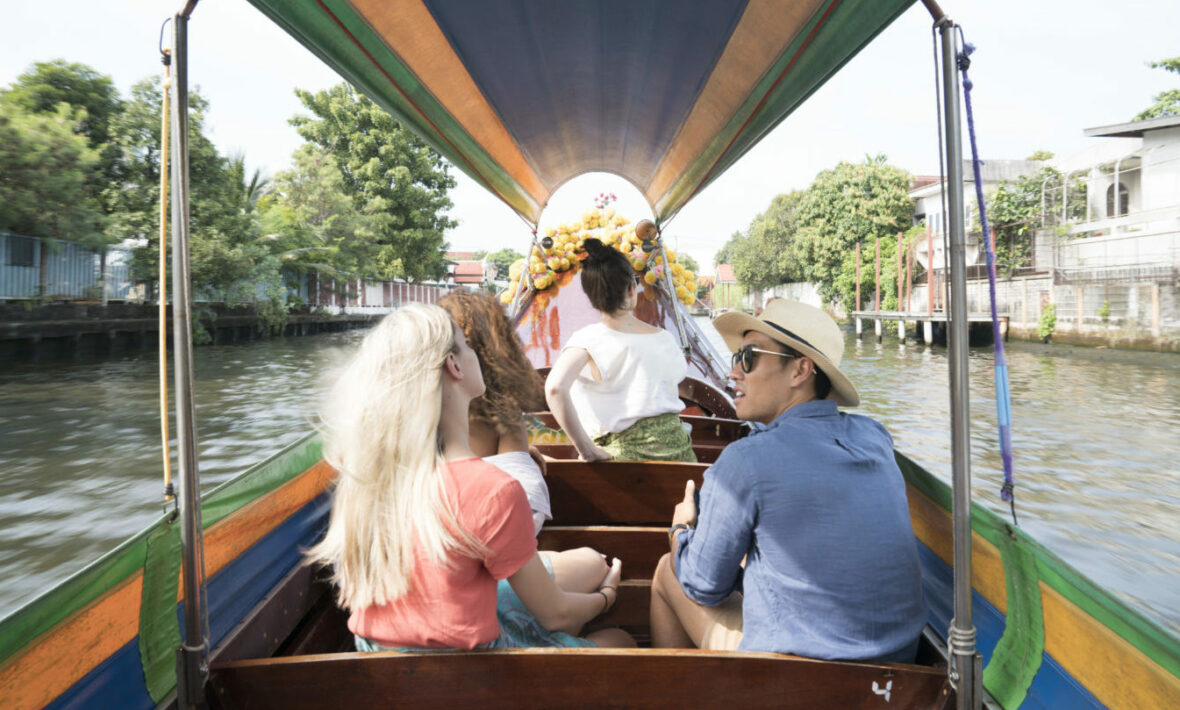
<point x="518" y="628"/>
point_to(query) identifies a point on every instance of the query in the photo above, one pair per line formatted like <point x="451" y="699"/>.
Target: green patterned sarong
<point x="659" y="438"/>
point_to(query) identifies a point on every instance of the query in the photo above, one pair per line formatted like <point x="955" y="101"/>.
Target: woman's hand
<point x="686" y="510"/>
<point x="610" y="584"/>
<point x="594" y="452"/>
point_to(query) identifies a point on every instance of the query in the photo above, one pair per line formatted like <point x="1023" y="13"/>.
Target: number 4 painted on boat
<point x="883" y="691"/>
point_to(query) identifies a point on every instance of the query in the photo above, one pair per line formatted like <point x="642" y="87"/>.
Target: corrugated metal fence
<point x="70" y="271"/>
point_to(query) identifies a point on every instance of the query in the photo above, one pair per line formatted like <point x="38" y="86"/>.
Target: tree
<point x="847" y="204"/>
<point x="397" y="182"/>
<point x="224" y="233"/>
<point x="765" y="257"/>
<point x="1017" y="209"/>
<point x="503" y="260"/>
<point x="1167" y="103"/>
<point x="1041" y="155"/>
<point x="46" y="175"/>
<point x="686" y="261"/>
<point x="308" y="219"/>
<point x="92" y="98"/>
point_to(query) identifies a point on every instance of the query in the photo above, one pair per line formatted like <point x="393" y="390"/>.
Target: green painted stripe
<point x="850" y="26"/>
<point x="313" y="28"/>
<point x="29" y="622"/>
<point x="1155" y="642"/>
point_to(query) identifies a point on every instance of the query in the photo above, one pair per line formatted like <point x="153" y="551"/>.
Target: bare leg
<point x="579" y="570"/>
<point x="679" y="622"/>
<point x="612" y="638"/>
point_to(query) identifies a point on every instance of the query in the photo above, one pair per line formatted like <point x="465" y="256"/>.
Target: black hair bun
<point x="594" y="248"/>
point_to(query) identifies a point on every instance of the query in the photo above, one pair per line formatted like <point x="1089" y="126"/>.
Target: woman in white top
<point x="613" y="389"/>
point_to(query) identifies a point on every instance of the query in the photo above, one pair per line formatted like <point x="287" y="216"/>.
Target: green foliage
<point x="503" y="260"/>
<point x="1017" y="209"/>
<point x="724" y="255"/>
<point x="91" y="96"/>
<point x="309" y="222"/>
<point x="688" y="262"/>
<point x="224" y="231"/>
<point x="764" y="256"/>
<point x="397" y="182"/>
<point x="1104" y="311"/>
<point x="845" y="205"/>
<point x="1167" y="103"/>
<point x="1048" y="322"/>
<point x="47" y="173"/>
<point x="272" y="310"/>
<point x="1041" y="155"/>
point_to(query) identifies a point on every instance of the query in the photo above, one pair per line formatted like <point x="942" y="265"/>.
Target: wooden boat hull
<point x="87" y="642"/>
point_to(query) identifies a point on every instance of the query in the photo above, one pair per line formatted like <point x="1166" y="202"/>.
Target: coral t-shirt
<point x="455" y="607"/>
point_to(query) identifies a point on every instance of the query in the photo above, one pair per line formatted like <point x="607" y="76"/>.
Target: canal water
<point x="1096" y="436"/>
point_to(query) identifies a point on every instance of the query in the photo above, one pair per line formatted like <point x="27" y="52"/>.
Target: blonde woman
<point x="497" y="430"/>
<point x="421" y="528"/>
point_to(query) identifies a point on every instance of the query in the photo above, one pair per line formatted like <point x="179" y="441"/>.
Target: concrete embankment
<point x="65" y="330"/>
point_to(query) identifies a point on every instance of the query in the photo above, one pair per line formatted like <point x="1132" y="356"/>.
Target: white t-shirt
<point x="523" y="468"/>
<point x="640" y="375"/>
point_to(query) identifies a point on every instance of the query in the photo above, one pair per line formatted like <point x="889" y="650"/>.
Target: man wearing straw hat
<point x="802" y="543"/>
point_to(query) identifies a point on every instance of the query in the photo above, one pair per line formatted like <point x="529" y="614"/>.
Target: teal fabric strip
<point x="159" y="627"/>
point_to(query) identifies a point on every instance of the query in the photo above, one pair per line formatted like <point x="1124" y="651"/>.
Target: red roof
<point x="460" y="255"/>
<point x="725" y="274"/>
<point x="468" y="272"/>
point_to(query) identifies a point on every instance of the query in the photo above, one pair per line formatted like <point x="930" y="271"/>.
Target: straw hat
<point x="803" y="328"/>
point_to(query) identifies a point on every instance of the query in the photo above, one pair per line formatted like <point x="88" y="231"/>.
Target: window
<point x="1124" y="201"/>
<point x="20" y="251"/>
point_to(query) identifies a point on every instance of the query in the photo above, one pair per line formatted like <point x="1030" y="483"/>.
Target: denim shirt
<point x="817" y="505"/>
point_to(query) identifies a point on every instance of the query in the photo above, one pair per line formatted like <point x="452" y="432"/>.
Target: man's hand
<point x="686" y="510"/>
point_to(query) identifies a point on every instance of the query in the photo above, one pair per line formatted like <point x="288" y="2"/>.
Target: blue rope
<point x="1003" y="399"/>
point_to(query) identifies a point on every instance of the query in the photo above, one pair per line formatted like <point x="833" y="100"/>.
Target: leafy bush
<point x="1048" y="322"/>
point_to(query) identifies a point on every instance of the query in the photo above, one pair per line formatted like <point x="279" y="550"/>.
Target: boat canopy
<point x="524" y="95"/>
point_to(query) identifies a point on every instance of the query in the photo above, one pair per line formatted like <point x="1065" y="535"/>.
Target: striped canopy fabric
<point x="523" y="95"/>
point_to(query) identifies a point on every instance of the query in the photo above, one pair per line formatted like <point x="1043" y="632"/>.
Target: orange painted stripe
<point x="236" y="533"/>
<point x="1106" y="664"/>
<point x="72" y="649"/>
<point x="411" y="33"/>
<point x="66" y="653"/>
<point x="762" y="34"/>
<point x="932" y="525"/>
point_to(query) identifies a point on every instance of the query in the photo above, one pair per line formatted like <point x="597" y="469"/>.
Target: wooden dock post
<point x="900" y="287"/>
<point x="877" y="328"/>
<point x="856" y="307"/>
<point x="877" y="290"/>
<point x="930" y="274"/>
<point x="928" y="332"/>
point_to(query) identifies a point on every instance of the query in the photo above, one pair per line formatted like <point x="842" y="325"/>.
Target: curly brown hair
<point x="513" y="385"/>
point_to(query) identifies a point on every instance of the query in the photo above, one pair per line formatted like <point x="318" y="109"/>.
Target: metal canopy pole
<point x="190" y="657"/>
<point x="964" y="672"/>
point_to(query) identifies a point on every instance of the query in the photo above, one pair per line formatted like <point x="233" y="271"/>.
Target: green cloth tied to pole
<point x="659" y="438"/>
<point x="1018" y="654"/>
<point x="159" y="626"/>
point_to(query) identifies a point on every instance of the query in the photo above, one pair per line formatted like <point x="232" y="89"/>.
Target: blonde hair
<point x="381" y="432"/>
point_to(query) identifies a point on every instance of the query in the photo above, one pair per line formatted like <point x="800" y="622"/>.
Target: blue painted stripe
<point x="1052" y="687"/>
<point x="117" y="683"/>
<point x="561" y="106"/>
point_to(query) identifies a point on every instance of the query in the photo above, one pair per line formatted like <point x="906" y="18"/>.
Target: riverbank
<point x="72" y="330"/>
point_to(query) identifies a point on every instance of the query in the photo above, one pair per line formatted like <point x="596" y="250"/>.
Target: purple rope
<point x="1003" y="398"/>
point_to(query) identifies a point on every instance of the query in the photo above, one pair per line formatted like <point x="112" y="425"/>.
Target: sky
<point x="1043" y="72"/>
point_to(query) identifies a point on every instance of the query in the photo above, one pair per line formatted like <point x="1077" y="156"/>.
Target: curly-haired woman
<point x="498" y="433"/>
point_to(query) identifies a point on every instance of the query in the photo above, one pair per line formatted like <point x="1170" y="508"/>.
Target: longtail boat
<point x="211" y="605"/>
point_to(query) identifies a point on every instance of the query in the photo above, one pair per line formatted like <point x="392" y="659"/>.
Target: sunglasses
<point x="745" y="357"/>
